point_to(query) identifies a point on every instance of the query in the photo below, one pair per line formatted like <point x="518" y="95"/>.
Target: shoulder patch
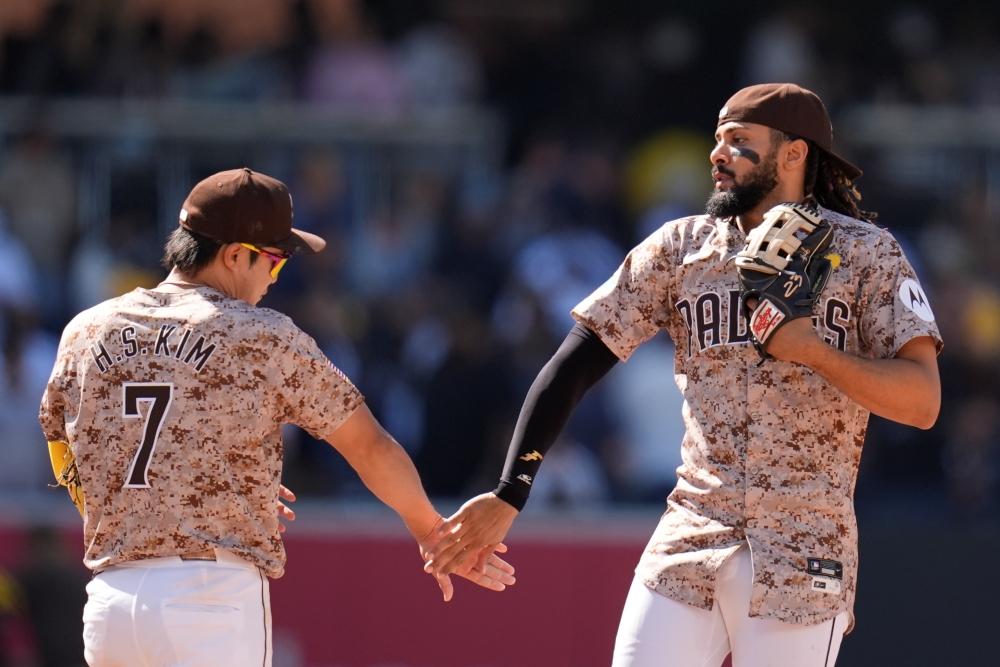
<point x="336" y="370"/>
<point x="914" y="298"/>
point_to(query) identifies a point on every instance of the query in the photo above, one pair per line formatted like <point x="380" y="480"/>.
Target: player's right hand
<point x="479" y="526"/>
<point x="486" y="569"/>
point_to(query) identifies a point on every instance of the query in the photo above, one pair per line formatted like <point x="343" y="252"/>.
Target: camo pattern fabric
<point x="173" y="405"/>
<point x="771" y="452"/>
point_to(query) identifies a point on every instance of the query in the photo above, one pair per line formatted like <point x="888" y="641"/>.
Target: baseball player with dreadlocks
<point x="794" y="317"/>
<point x="164" y="416"/>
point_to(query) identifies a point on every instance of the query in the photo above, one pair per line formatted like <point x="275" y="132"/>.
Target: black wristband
<point x="510" y="494"/>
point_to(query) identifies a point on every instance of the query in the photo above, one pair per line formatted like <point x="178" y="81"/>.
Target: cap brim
<point x="300" y="243"/>
<point x="850" y="170"/>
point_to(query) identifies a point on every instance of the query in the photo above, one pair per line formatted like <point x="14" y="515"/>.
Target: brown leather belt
<point x="207" y="554"/>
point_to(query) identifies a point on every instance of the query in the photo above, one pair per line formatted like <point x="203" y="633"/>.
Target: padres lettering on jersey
<point x="704" y="319"/>
<point x="771" y="452"/>
<point x="173" y="405"/>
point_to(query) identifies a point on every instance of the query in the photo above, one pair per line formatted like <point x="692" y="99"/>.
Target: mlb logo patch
<point x="825" y="567"/>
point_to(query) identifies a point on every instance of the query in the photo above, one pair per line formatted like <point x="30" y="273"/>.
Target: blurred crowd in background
<point x="444" y="300"/>
<point x="449" y="277"/>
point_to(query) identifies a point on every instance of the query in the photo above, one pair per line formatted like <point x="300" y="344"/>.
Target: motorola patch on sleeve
<point x="914" y="298"/>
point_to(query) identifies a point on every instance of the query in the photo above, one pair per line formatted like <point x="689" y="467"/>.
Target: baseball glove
<point x="784" y="268"/>
<point x="64" y="467"/>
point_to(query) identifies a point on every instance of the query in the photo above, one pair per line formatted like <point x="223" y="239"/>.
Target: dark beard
<point x="740" y="198"/>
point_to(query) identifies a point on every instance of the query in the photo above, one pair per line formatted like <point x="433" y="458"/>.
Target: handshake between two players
<point x="793" y="316"/>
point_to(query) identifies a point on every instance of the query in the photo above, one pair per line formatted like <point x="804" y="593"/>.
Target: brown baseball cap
<point x="246" y="207"/>
<point x="789" y="108"/>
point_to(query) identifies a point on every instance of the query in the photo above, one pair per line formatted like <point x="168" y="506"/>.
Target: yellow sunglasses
<point x="278" y="260"/>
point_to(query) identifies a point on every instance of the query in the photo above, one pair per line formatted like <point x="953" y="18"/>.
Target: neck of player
<point x="204" y="278"/>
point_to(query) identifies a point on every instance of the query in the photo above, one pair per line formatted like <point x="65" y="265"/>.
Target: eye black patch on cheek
<point x="751" y="155"/>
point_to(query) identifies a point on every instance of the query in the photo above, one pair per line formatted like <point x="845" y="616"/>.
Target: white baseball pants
<point x="167" y="612"/>
<point x="656" y="631"/>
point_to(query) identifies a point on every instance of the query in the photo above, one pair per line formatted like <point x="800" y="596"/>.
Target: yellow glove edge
<point x="64" y="468"/>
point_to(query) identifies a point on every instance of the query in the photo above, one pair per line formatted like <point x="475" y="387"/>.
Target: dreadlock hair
<point x="825" y="182"/>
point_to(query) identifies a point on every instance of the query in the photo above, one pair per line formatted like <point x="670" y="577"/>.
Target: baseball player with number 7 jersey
<point x="164" y="415"/>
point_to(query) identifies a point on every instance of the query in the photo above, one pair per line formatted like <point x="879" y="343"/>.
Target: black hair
<point x="189" y="252"/>
<point x="825" y="181"/>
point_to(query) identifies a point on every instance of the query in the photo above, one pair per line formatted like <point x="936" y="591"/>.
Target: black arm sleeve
<point x="577" y="365"/>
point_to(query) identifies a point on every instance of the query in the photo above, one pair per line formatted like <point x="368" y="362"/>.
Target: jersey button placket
<point x="757" y="442"/>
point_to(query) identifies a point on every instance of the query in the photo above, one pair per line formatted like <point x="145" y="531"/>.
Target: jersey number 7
<point x="158" y="396"/>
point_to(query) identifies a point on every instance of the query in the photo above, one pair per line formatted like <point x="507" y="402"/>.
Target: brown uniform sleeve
<point x="50" y="415"/>
<point x="317" y="395"/>
<point x="894" y="307"/>
<point x="52" y="412"/>
<point x="631" y="307"/>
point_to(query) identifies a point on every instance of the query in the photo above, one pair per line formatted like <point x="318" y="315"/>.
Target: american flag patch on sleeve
<point x="337" y="370"/>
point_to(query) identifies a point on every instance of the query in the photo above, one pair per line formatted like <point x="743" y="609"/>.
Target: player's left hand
<point x="794" y="341"/>
<point x="486" y="569"/>
<point x="284" y="511"/>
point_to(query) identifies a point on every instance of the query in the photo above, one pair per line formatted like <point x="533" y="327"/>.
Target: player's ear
<point x="796" y="153"/>
<point x="230" y="255"/>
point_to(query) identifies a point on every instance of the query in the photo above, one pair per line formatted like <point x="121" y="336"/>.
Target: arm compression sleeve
<point x="577" y="365"/>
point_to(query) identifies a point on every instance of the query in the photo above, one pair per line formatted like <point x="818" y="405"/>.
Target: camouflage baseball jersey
<point x="173" y="405"/>
<point x="771" y="452"/>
